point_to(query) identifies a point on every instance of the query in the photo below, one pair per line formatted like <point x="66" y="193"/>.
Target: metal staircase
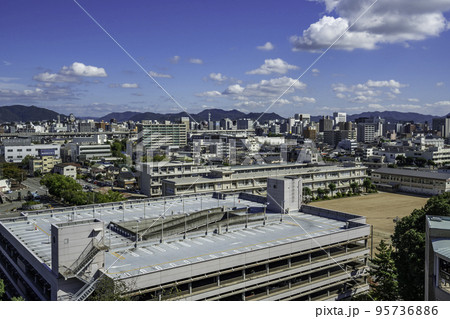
<point x="88" y="254"/>
<point x="85" y="291"/>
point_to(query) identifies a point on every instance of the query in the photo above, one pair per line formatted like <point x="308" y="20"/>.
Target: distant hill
<point x="216" y="115"/>
<point x="21" y="113"/>
<point x="394" y="116"/>
<point x="389" y="116"/>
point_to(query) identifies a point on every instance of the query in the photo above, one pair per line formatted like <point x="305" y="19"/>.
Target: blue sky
<point x="244" y="55"/>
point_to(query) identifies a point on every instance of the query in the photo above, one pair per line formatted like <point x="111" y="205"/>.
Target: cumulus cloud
<point x="273" y="66"/>
<point x="442" y="103"/>
<point x="217" y="77"/>
<point x="160" y="75"/>
<point x="130" y="85"/>
<point x="315" y="72"/>
<point x="51" y="93"/>
<point x="266" y="88"/>
<point x="195" y="61"/>
<point x="371" y="91"/>
<point x="439" y="84"/>
<point x="303" y="99"/>
<point x="209" y="94"/>
<point x="266" y="47"/>
<point x="234" y="89"/>
<point x="80" y="69"/>
<point x="394" y="21"/>
<point x="54" y="77"/>
<point x="71" y="73"/>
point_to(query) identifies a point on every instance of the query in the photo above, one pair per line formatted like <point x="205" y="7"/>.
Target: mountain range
<point x="21" y="113"/>
<point x="216" y="115"/>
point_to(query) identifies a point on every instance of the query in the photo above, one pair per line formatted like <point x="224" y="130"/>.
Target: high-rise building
<point x="153" y="136"/>
<point x="339" y="117"/>
<point x="438" y="124"/>
<point x="366" y="132"/>
<point x="447" y="127"/>
<point x="325" y="124"/>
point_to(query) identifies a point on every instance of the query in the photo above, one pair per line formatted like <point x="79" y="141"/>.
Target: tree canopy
<point x="383" y="284"/>
<point x="68" y="189"/>
<point x="409" y="243"/>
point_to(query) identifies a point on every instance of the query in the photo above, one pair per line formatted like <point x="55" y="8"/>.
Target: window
<point x="19" y="150"/>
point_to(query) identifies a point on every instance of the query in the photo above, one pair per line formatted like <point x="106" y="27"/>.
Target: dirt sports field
<point x="380" y="210"/>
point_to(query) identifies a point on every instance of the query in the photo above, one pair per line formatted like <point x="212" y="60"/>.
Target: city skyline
<point x="228" y="55"/>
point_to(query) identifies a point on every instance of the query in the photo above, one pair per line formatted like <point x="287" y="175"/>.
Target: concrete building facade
<point x="419" y="182"/>
<point x="254" y="179"/>
<point x="188" y="255"/>
<point x="437" y="258"/>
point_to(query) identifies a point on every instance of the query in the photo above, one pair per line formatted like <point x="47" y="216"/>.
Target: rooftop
<point x="414" y="173"/>
<point x="123" y="259"/>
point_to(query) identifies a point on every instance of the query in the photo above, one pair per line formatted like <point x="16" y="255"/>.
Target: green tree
<point x="354" y="186"/>
<point x="13" y="171"/>
<point x="332" y="188"/>
<point x="25" y="164"/>
<point x="420" y="162"/>
<point x="17" y="299"/>
<point x="409" y="243"/>
<point x="367" y="183"/>
<point x="401" y="160"/>
<point x="431" y="163"/>
<point x="2" y="288"/>
<point x="108" y="290"/>
<point x="321" y="192"/>
<point x="383" y="284"/>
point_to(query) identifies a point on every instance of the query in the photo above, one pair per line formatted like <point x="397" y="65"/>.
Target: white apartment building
<point x="411" y="181"/>
<point x="439" y="155"/>
<point x="66" y="170"/>
<point x="87" y="152"/>
<point x="16" y="153"/>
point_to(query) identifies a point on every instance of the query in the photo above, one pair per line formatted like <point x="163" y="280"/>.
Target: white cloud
<point x="175" y="59"/>
<point x="124" y="85"/>
<point x="303" y="99"/>
<point x="160" y="75"/>
<point x="195" y="61"/>
<point x="393" y="21"/>
<point x="209" y="94"/>
<point x="6" y="63"/>
<point x="442" y="103"/>
<point x="266" y="88"/>
<point x="439" y="84"/>
<point x="266" y="47"/>
<point x="129" y="85"/>
<point x="315" y="72"/>
<point x="234" y="89"/>
<point x="36" y="94"/>
<point x="371" y="91"/>
<point x="218" y="77"/>
<point x="413" y="100"/>
<point x="71" y="73"/>
<point x="390" y="84"/>
<point x="273" y="66"/>
<point x="54" y="77"/>
<point x="80" y="69"/>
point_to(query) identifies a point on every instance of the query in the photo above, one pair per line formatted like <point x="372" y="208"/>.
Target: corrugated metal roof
<point x="441" y="246"/>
